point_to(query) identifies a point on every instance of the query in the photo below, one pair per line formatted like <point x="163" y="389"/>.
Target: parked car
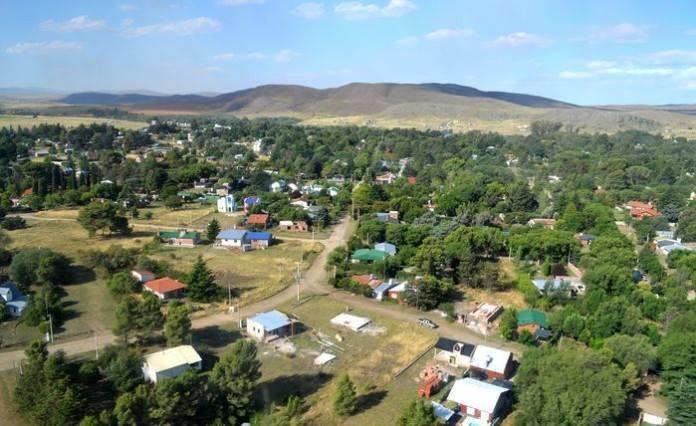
<point x="427" y="323"/>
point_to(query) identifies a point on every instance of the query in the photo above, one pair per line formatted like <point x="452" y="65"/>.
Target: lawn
<point x="371" y="360"/>
<point x="8" y="414"/>
<point x="7" y="120"/>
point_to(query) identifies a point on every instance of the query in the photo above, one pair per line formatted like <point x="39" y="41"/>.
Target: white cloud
<point x="439" y="34"/>
<point x="182" y="28"/>
<point x="619" y="33"/>
<point x="520" y="39"/>
<point x="309" y="10"/>
<point x="355" y="10"/>
<point x="78" y="23"/>
<point x="240" y="2"/>
<point x="596" y="65"/>
<point x="673" y="56"/>
<point x="44" y="47"/>
<point x="572" y="75"/>
<point x="285" y="55"/>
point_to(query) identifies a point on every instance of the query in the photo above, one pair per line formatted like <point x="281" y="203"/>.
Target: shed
<point x="352" y="322"/>
<point x="270" y="325"/>
<point x="170" y="363"/>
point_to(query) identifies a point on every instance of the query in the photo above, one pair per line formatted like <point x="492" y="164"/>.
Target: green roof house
<point x="368" y="255"/>
<point x="531" y="320"/>
<point x="181" y="238"/>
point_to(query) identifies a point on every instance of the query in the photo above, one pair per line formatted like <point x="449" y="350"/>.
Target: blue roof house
<point x="14" y="300"/>
<point x="270" y="325"/>
<point x="250" y="202"/>
<point x="232" y="238"/>
<point x="382" y="289"/>
<point x="259" y="239"/>
<point x="386" y="247"/>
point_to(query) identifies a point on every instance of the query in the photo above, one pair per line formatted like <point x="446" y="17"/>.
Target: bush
<point x="14" y="222"/>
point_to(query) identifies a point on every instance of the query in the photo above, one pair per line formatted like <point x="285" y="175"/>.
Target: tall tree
<point x="201" y="283"/>
<point x="235" y="375"/>
<point x="177" y="327"/>
<point x="682" y="404"/>
<point x="418" y="413"/>
<point x="345" y="399"/>
<point x="212" y="230"/>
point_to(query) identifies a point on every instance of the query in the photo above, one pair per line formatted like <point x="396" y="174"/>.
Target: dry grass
<point x="508" y="298"/>
<point x="8" y="410"/>
<point x="29" y="121"/>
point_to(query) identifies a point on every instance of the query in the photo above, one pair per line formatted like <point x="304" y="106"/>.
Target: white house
<point x="226" y="204"/>
<point x="269" y="325"/>
<point x="352" y="322"/>
<point x="14" y="300"/>
<point x="454" y="353"/>
<point x="170" y="363"/>
<point x="232" y="238"/>
<point x="494" y="363"/>
<point x="278" y="186"/>
<point x="479" y="400"/>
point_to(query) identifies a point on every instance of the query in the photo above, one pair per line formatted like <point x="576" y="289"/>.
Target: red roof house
<point x="165" y="288"/>
<point x="639" y="209"/>
<point x="258" y="220"/>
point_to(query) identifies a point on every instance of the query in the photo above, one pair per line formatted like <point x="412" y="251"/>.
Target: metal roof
<point x="491" y="359"/>
<point x="231" y="234"/>
<point x="476" y="394"/>
<point x="271" y="320"/>
<point x="256" y="236"/>
<point x="172" y="357"/>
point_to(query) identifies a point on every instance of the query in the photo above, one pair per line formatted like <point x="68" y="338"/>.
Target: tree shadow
<point x="370" y="400"/>
<point x="278" y="390"/>
<point x="214" y="337"/>
<point x="80" y="274"/>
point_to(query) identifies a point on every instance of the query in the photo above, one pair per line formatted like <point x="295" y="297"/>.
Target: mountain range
<point x="430" y="105"/>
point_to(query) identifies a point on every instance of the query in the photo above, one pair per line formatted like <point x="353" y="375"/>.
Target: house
<point x="543" y="222"/>
<point x="170" y="363"/>
<point x="586" y="239"/>
<point x="640" y="209"/>
<point x="301" y="203"/>
<point x="250" y="202"/>
<point x="232" y="238"/>
<point x="390" y="217"/>
<point x="181" y="238"/>
<point x="296" y="226"/>
<point x="385" y="179"/>
<point x="15" y="301"/>
<point x="570" y="284"/>
<point x="352" y="322"/>
<point x="381" y="290"/>
<point x="397" y="293"/>
<point x="259" y="240"/>
<point x="337" y="179"/>
<point x="226" y="204"/>
<point x="390" y="249"/>
<point x="260" y="219"/>
<point x="222" y="192"/>
<point x="485" y="313"/>
<point x="367" y="280"/>
<point x="165" y="288"/>
<point x="270" y="325"/>
<point x="531" y="320"/>
<point x="142" y="275"/>
<point x="432" y="379"/>
<point x="278" y="186"/>
<point x="368" y="255"/>
<point x="493" y="363"/>
<point x="454" y="353"/>
<point x="480" y="400"/>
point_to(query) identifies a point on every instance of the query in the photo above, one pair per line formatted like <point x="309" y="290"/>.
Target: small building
<point x="181" y="238"/>
<point x="388" y="248"/>
<point x="368" y="255"/>
<point x="485" y="313"/>
<point x="170" y="363"/>
<point x="543" y="222"/>
<point x="293" y="226"/>
<point x="586" y="239"/>
<point x="165" y="288"/>
<point x="381" y="290"/>
<point x="390" y="217"/>
<point x="233" y="238"/>
<point x="352" y="322"/>
<point x="494" y="363"/>
<point x="570" y="284"/>
<point x="480" y="400"/>
<point x="385" y="179"/>
<point x="250" y="202"/>
<point x="453" y="353"/>
<point x="226" y="204"/>
<point x="269" y="326"/>
<point x="640" y="209"/>
<point x="15" y="301"/>
<point x="531" y="320"/>
<point x="259" y="240"/>
<point x="279" y="186"/>
<point x="398" y="292"/>
<point x="142" y="275"/>
<point x="260" y="220"/>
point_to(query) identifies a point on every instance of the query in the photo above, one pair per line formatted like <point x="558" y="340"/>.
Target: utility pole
<point x="229" y="294"/>
<point x="96" y="346"/>
<point x="50" y="327"/>
<point x="299" y="278"/>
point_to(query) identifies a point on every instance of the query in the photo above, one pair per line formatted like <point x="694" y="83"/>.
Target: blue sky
<point x="587" y="52"/>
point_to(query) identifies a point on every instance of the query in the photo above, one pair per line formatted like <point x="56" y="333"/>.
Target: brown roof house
<point x="165" y="288"/>
<point x="258" y="219"/>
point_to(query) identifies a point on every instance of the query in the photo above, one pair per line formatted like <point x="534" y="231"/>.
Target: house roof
<point x="252" y="200"/>
<point x="368" y="255"/>
<point x="172" y="357"/>
<point x="165" y="285"/>
<point x="667" y="242"/>
<point x="386" y="247"/>
<point x="271" y="320"/>
<point x="384" y="287"/>
<point x="531" y="316"/>
<point x="259" y="236"/>
<point x="491" y="359"/>
<point x="257" y="219"/>
<point x="441" y="412"/>
<point x="362" y="279"/>
<point x="586" y="237"/>
<point x="189" y="235"/>
<point x="448" y="345"/>
<point x="143" y="272"/>
<point x="555" y="283"/>
<point x="231" y="234"/>
<point x="476" y="394"/>
<point x="353" y="322"/>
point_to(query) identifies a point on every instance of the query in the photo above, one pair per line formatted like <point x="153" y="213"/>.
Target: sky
<point x="586" y="52"/>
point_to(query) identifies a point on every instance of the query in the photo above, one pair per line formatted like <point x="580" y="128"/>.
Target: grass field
<point x="8" y="414"/>
<point x="370" y="360"/>
<point x="29" y="121"/>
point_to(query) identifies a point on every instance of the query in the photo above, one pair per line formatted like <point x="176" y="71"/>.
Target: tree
<point x="126" y="317"/>
<point x="636" y="350"/>
<point x="177" y="327"/>
<point x="132" y="407"/>
<point x="99" y="217"/>
<point x="418" y="413"/>
<point x="345" y="399"/>
<point x="560" y="387"/>
<point x="682" y="410"/>
<point x="201" y="283"/>
<point x="173" y="202"/>
<point x="123" y="367"/>
<point x="33" y="265"/>
<point x="508" y="324"/>
<point x="122" y="283"/>
<point x="14" y="222"/>
<point x="150" y="316"/>
<point x="213" y="229"/>
<point x="235" y="376"/>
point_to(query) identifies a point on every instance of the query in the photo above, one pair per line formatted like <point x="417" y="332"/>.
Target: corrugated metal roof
<point x="258" y="236"/>
<point x="476" y="394"/>
<point x="231" y="234"/>
<point x="271" y="320"/>
<point x="172" y="357"/>
<point x="491" y="359"/>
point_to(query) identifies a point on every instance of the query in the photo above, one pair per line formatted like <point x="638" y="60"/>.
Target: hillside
<point x="431" y="105"/>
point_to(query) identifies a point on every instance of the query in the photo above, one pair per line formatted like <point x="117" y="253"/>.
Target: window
<point x="453" y="360"/>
